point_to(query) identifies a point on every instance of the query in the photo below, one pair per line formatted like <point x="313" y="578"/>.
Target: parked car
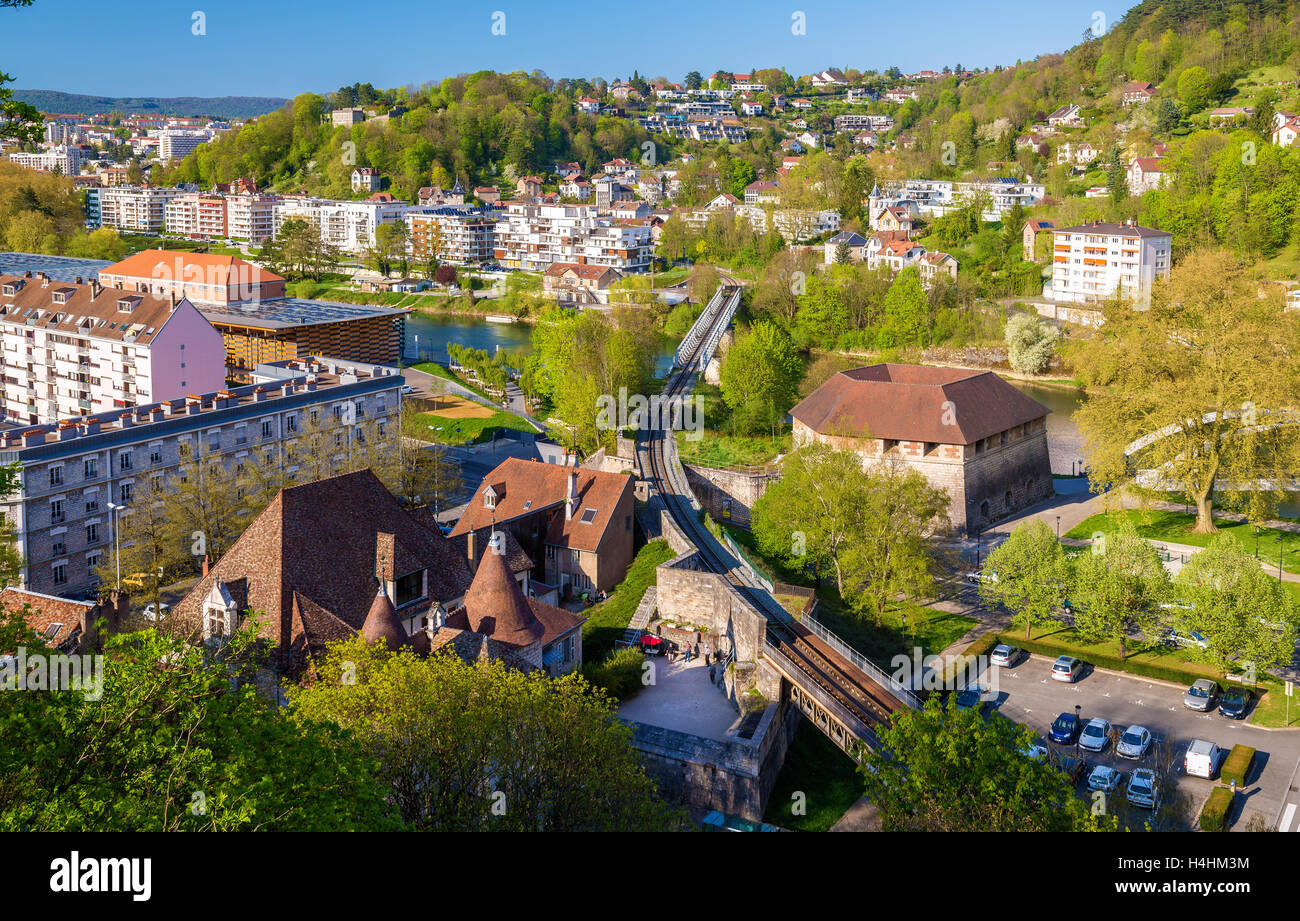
<point x="975" y="578"/>
<point x="1133" y="744"/>
<point x="1005" y="656"/>
<point x="1235" y="703"/>
<point x="1105" y="779"/>
<point x="1064" y="728"/>
<point x="1142" y="789"/>
<point x="1201" y="759"/>
<point x="1176" y="640"/>
<point x="1037" y="752"/>
<point x="1067" y="668"/>
<point x="1095" y="735"/>
<point x="1073" y="767"/>
<point x="1203" y="695"/>
<point x="407" y="388"/>
<point x="156" y="613"/>
<point x="971" y="697"/>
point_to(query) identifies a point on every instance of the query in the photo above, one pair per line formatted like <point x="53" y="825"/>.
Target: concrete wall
<point x="729" y="495"/>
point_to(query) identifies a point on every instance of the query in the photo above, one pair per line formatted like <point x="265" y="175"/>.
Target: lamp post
<point x="1078" y="726"/>
<point x="1058" y="529"/>
<point x="1280" y="535"/>
<point x="978" y="534"/>
<point x="1256" y="543"/>
<point x="117" y="541"/>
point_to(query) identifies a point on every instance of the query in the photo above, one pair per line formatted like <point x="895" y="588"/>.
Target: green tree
<point x="1246" y="615"/>
<point x="473" y="748"/>
<point x="947" y="770"/>
<point x="759" y="377"/>
<point x="905" y="311"/>
<point x="1117" y="588"/>
<point x="1031" y="343"/>
<point x="1031" y="575"/>
<point x="1194" y="88"/>
<point x="186" y="747"/>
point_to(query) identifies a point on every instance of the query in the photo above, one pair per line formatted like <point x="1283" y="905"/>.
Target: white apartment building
<point x="349" y="225"/>
<point x="935" y="197"/>
<point x="64" y="159"/>
<point x="451" y="233"/>
<point x="1096" y="262"/>
<point x="532" y="236"/>
<point x="197" y="215"/>
<point x="135" y="209"/>
<point x="71" y="349"/>
<point x="177" y="144"/>
<point x="250" y="217"/>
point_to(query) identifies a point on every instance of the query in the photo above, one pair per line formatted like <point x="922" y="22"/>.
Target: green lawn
<point x="462" y="431"/>
<point x="437" y="370"/>
<point x="1176" y="527"/>
<point x="827" y="778"/>
<point x="714" y="449"/>
<point x="607" y="621"/>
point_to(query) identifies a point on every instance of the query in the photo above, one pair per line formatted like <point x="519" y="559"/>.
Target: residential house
<point x="573" y="284"/>
<point x="856" y="243"/>
<point x="1030" y="234"/>
<point x="1145" y="174"/>
<point x="365" y="179"/>
<point x="1067" y="116"/>
<point x="934" y="264"/>
<point x="1136" y="93"/>
<point x="1095" y="262"/>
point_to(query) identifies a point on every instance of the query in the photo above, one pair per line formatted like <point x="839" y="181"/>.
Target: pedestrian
<point x="711" y="679"/>
<point x="707" y="656"/>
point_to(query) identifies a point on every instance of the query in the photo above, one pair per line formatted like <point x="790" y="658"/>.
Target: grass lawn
<point x="675" y="275"/>
<point x="437" y="370"/>
<point x="1176" y="527"/>
<point x="607" y="621"/>
<point x="463" y="431"/>
<point x="1271" y="710"/>
<point x="826" y="776"/>
<point x="716" y="448"/>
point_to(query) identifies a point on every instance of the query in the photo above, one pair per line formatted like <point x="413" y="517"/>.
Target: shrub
<point x="1214" y="817"/>
<point x="1237" y="765"/>
<point x="619" y="674"/>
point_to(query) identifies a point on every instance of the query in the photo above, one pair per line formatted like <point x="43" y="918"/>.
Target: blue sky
<point x="272" y="48"/>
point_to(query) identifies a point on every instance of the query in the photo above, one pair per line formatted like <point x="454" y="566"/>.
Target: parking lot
<point x="1028" y="695"/>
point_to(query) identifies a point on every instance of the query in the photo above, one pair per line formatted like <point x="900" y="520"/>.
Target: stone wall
<point x="1064" y="313"/>
<point x="729" y="495"/>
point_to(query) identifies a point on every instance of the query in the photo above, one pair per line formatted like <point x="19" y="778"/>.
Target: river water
<point x="1064" y="443"/>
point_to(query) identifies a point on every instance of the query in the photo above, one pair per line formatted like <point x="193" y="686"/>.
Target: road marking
<point x="1285" y="824"/>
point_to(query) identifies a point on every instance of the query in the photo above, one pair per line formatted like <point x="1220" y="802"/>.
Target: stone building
<point x="968" y="432"/>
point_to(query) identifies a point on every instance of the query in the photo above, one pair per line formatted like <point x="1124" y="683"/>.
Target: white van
<point x="1201" y="759"/>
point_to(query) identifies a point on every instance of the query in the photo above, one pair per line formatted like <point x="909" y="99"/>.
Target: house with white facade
<point x="1096" y="262"/>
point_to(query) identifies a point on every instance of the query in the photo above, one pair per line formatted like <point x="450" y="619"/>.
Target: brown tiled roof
<point x="495" y="606"/>
<point x="308" y="563"/>
<point x="916" y="403"/>
<point x="556" y="269"/>
<point x="382" y="625"/>
<point x="83" y="312"/>
<point x="539" y="485"/>
<point x="41" y="612"/>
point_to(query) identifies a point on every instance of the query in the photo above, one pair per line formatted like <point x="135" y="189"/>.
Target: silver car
<point x="1004" y="656"/>
<point x="1203" y="695"/>
<point x="1142" y="789"/>
<point x="1067" y="668"/>
<point x="1133" y="744"/>
<point x="1095" y="735"/>
<point x="1105" y="779"/>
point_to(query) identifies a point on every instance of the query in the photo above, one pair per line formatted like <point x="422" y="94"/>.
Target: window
<point x="570" y="648"/>
<point x="489" y="500"/>
<point x="124" y="461"/>
<point x="215" y="623"/>
<point x="56" y="510"/>
<point x="410" y="587"/>
<point x="550" y="553"/>
<point x="214" y="441"/>
<point x="58" y="548"/>
<point x="56" y="475"/>
<point x="124" y="492"/>
<point x="92" y="467"/>
<point x="92" y="560"/>
<point x="291" y="423"/>
<point x="155" y="455"/>
<point x="92" y="504"/>
<point x="92" y="533"/>
<point x="315" y="416"/>
<point x="60" y="574"/>
<point x="184" y="448"/>
<point x="588" y="515"/>
<point x="266" y="428"/>
<point x="575" y="556"/>
<point x="241" y="435"/>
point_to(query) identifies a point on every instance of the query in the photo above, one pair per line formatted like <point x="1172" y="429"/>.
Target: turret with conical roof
<point x="382" y="624"/>
<point x="495" y="606"/>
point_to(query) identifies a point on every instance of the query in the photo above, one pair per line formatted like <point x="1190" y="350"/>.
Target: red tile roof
<point x="916" y="403"/>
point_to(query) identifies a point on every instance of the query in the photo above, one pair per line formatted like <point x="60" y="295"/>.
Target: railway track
<point x="817" y="664"/>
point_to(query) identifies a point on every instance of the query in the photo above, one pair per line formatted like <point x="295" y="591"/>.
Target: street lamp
<point x="117" y="540"/>
<point x="1078" y="727"/>
<point x="1256" y="543"/>
<point x="1058" y="529"/>
<point x="1280" y="535"/>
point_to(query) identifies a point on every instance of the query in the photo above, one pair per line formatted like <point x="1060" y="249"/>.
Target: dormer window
<point x="12" y="288"/>
<point x="409" y="588"/>
<point x="128" y="304"/>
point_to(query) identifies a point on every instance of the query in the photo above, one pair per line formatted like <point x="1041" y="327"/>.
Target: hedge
<point x="1101" y="660"/>
<point x="620" y="674"/>
<point x="1214" y="817"/>
<point x="1237" y="765"/>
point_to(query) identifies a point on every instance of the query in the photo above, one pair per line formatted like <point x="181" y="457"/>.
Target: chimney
<point x="157" y="414"/>
<point x="95" y="289"/>
<point x="67" y="429"/>
<point x="126" y="420"/>
<point x="259" y="394"/>
<point x="33" y="437"/>
<point x="90" y="427"/>
<point x="571" y="497"/>
<point x="207" y="564"/>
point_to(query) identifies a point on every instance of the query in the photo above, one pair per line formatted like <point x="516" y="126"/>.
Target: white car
<point x="156" y="613"/>
<point x="1037" y="752"/>
<point x="975" y="578"/>
<point x="1067" y="668"/>
<point x="1004" y="656"/>
<point x="1142" y="789"/>
<point x="1095" y="735"/>
<point x="1105" y="779"/>
<point x="407" y="388"/>
<point x="1201" y="759"/>
<point x="1133" y="744"/>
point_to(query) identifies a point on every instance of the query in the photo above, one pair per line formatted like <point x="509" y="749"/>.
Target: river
<point x="427" y="337"/>
<point x="1064" y="443"/>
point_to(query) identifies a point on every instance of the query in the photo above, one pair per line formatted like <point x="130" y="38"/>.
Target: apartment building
<point x="1096" y="262"/>
<point x="532" y="236"/>
<point x="250" y="217"/>
<point x="201" y="278"/>
<point x="178" y="144"/>
<point x="91" y="209"/>
<point x="937" y="197"/>
<point x="63" y="158"/>
<point x="135" y="209"/>
<point x="349" y="225"/>
<point x="71" y="470"/>
<point x="196" y="215"/>
<point x="73" y="349"/>
<point x="448" y="233"/>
